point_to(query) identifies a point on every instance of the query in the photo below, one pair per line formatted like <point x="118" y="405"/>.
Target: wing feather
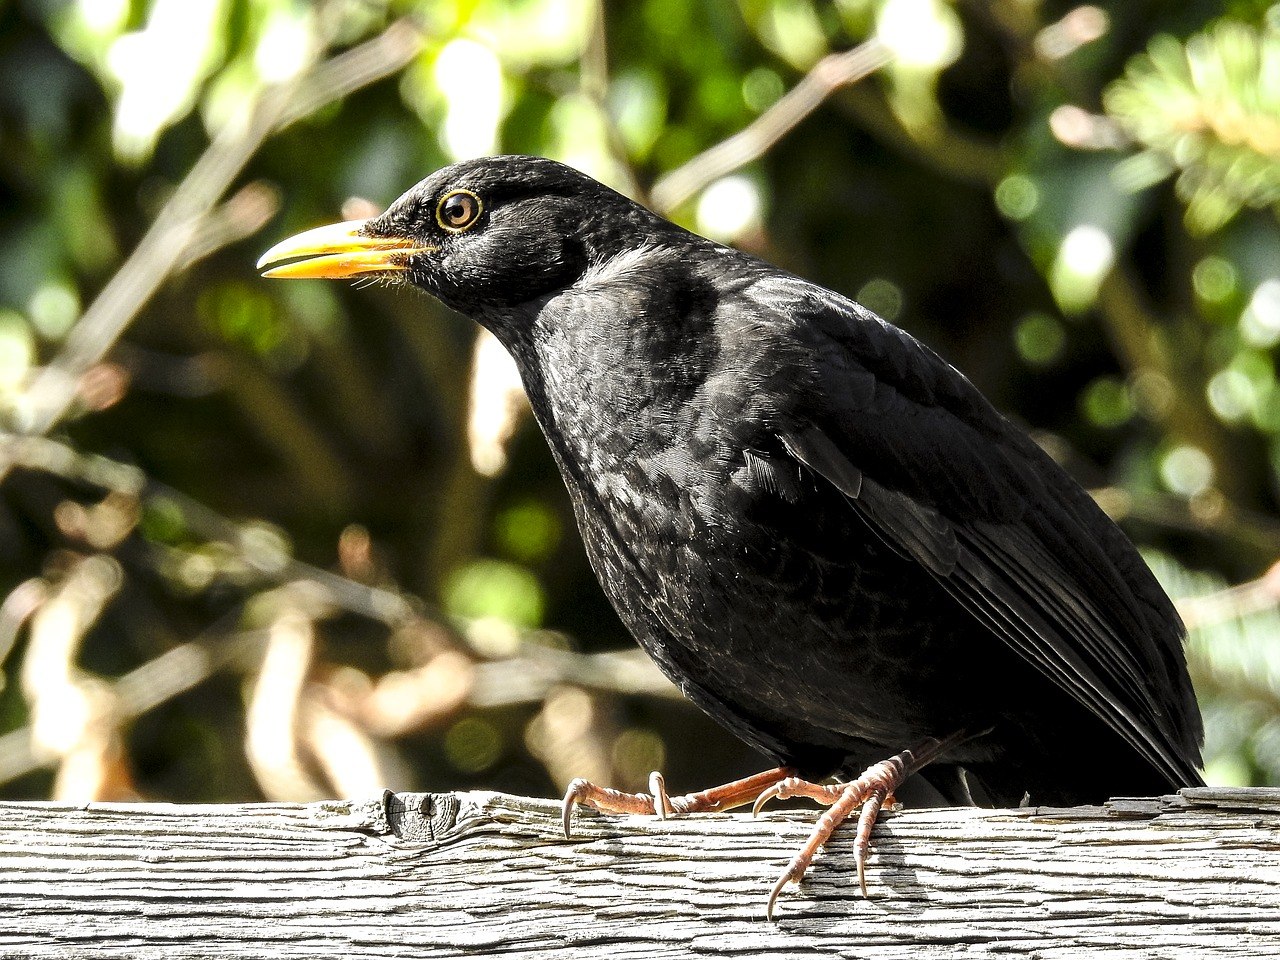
<point x="944" y="479"/>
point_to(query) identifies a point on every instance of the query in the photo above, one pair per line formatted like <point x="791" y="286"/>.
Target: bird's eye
<point x="458" y="210"/>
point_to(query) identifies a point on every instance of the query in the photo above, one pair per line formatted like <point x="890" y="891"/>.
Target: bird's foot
<point x="872" y="791"/>
<point x="656" y="801"/>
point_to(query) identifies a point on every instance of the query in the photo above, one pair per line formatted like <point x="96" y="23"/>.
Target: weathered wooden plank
<point x="445" y="875"/>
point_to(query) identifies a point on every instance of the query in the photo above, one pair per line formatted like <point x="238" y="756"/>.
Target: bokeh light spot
<point x="728" y="208"/>
<point x="472" y="745"/>
<point x="1214" y="279"/>
<point x="882" y="297"/>
<point x="1039" y="339"/>
<point x="1186" y="470"/>
<point x="1017" y="196"/>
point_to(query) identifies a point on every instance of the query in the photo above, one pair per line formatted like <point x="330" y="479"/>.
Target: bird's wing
<point x="947" y="481"/>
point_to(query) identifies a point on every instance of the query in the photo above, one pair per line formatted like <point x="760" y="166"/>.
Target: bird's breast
<point x="751" y="582"/>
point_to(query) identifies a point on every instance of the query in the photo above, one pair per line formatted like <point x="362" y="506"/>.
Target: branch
<point x="262" y="553"/>
<point x="381" y="711"/>
<point x="244" y="214"/>
<point x="1247" y="529"/>
<point x="142" y="689"/>
<point x="828" y="75"/>
<point x="943" y="148"/>
<point x="181" y="232"/>
<point x="1233" y="603"/>
<point x="594" y="82"/>
<point x="1142" y="343"/>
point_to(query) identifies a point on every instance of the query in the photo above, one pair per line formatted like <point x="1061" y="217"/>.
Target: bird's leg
<point x="872" y="791"/>
<point x="656" y="801"/>
<point x="724" y="797"/>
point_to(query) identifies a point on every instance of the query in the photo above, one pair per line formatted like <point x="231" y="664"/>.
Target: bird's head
<point x="483" y="236"/>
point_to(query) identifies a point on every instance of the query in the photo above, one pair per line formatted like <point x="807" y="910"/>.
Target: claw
<point x="658" y="790"/>
<point x="765" y="796"/>
<point x="571" y="797"/>
<point x="866" y="822"/>
<point x="777" y="889"/>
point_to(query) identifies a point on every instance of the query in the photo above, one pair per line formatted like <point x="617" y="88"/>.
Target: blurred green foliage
<point x="1075" y="204"/>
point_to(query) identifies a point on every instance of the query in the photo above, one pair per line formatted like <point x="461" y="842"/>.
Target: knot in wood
<point x="421" y="816"/>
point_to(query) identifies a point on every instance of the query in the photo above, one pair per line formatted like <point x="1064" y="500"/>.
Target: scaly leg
<point x="872" y="791"/>
<point x="724" y="797"/>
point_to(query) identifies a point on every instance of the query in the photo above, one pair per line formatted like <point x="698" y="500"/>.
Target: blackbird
<point x="819" y="529"/>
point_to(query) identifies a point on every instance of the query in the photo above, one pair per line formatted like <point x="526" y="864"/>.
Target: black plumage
<point x="818" y="528"/>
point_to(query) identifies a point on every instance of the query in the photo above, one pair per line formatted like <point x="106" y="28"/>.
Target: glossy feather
<point x="818" y="528"/>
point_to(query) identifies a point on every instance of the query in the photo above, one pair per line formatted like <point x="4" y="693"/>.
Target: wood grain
<point x="476" y="874"/>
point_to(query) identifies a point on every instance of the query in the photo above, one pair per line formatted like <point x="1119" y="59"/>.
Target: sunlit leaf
<point x="1210" y="107"/>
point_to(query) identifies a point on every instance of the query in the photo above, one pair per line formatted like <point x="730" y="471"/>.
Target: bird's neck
<point x="612" y="363"/>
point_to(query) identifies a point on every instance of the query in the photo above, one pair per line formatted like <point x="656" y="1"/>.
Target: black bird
<point x="820" y="530"/>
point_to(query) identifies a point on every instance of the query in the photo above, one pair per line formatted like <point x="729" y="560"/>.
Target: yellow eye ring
<point x="458" y="210"/>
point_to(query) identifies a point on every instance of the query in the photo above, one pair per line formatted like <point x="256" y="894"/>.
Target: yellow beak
<point x="338" y="250"/>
